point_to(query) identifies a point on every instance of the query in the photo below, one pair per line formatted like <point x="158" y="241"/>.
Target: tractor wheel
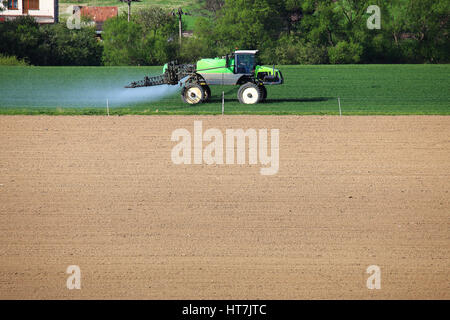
<point x="249" y="93"/>
<point x="193" y="94"/>
<point x="264" y="93"/>
<point x="207" y="90"/>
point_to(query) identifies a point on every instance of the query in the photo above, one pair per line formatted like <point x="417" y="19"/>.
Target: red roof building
<point x="99" y="15"/>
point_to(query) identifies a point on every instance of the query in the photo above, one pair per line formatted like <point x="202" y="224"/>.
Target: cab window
<point x="245" y="63"/>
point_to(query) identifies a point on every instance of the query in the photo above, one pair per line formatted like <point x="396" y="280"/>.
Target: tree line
<point x="285" y="32"/>
<point x="49" y="45"/>
<point x="327" y="31"/>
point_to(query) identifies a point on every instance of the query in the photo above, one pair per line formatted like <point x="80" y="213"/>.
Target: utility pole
<point x="180" y="13"/>
<point x="129" y="6"/>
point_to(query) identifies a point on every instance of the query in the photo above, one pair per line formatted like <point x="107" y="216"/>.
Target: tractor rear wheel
<point x="193" y="94"/>
<point x="207" y="90"/>
<point x="249" y="93"/>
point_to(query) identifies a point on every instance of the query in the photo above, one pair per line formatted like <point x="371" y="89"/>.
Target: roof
<point x="99" y="14"/>
<point x="246" y="51"/>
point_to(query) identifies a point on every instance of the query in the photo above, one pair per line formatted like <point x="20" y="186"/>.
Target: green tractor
<point x="239" y="68"/>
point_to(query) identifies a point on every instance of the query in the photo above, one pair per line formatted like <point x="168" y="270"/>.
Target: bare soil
<point x="102" y="193"/>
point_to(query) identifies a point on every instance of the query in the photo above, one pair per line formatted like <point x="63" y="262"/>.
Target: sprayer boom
<point x="173" y="74"/>
<point x="148" y="82"/>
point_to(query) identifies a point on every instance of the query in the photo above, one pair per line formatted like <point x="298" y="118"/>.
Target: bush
<point x="122" y="43"/>
<point x="146" y="40"/>
<point x="11" y="61"/>
<point x="193" y="49"/>
<point x="291" y="51"/>
<point x="345" y="53"/>
<point x="309" y="53"/>
<point x="65" y="47"/>
<point x="286" y="50"/>
<point x="21" y="37"/>
<point x="198" y="46"/>
<point x="50" y="44"/>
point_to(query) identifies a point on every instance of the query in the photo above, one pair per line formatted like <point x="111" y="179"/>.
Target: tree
<point x="245" y="24"/>
<point x="214" y="5"/>
<point x="21" y="37"/>
<point x="148" y="39"/>
<point x="428" y="22"/>
<point x="156" y="20"/>
<point x="53" y="44"/>
<point x="199" y="46"/>
<point x="66" y="47"/>
<point x="122" y="42"/>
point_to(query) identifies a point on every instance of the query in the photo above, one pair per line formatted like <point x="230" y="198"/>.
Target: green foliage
<point x="309" y="53"/>
<point x="286" y="50"/>
<point x="11" y="61"/>
<point x="156" y="20"/>
<point x="50" y="44"/>
<point x="290" y="50"/>
<point x="214" y="5"/>
<point x="345" y="53"/>
<point x="122" y="42"/>
<point x="21" y="38"/>
<point x="428" y="22"/>
<point x="284" y="31"/>
<point x="246" y="24"/>
<point x="146" y="40"/>
<point x="65" y="47"/>
<point x="315" y="32"/>
<point x="198" y="46"/>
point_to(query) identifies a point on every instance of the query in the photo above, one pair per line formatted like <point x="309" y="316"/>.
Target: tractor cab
<point x="245" y="61"/>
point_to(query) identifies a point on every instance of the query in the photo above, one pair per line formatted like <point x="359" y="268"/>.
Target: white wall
<point x="45" y="13"/>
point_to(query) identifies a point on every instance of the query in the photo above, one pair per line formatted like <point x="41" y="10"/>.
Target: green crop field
<point x="363" y="89"/>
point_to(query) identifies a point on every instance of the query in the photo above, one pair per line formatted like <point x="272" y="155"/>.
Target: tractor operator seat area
<point x="245" y="61"/>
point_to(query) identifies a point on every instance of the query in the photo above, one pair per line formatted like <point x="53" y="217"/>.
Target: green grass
<point x="309" y="90"/>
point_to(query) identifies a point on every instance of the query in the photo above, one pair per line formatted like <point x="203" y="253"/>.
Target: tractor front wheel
<point x="193" y="94"/>
<point x="249" y="93"/>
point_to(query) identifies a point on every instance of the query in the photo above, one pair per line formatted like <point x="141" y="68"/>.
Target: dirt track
<point x="102" y="193"/>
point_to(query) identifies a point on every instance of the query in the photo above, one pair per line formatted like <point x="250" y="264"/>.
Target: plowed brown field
<point x="102" y="193"/>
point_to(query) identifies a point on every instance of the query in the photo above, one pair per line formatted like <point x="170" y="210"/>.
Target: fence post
<point x="223" y="102"/>
<point x="340" y="111"/>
